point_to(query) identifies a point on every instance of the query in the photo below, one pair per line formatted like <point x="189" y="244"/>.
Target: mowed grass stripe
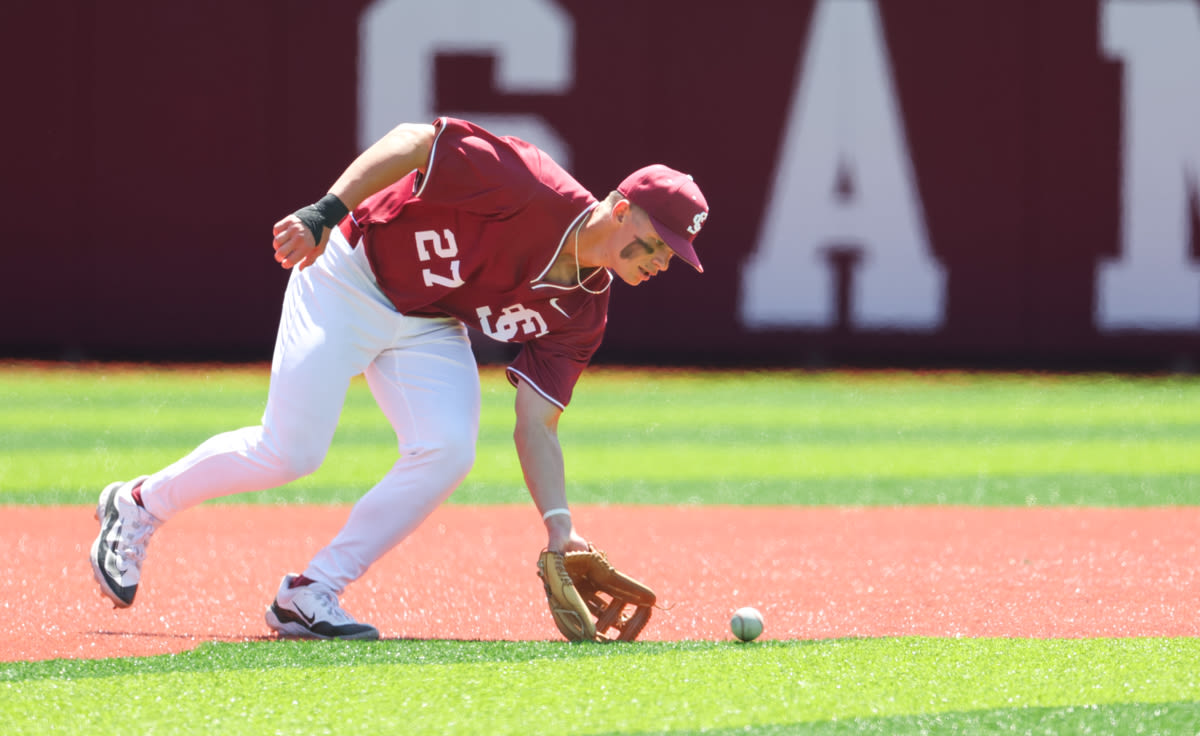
<point x="661" y="437"/>
<point x="455" y="687"/>
<point x="688" y="462"/>
<point x="1094" y="473"/>
<point x="692" y="404"/>
<point x="366" y="428"/>
<point x="347" y="486"/>
<point x="819" y="400"/>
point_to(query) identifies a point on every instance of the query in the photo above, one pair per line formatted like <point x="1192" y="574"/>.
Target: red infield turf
<point x="469" y="573"/>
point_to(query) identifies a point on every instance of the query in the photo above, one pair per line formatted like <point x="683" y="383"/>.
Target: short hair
<point x="614" y="196"/>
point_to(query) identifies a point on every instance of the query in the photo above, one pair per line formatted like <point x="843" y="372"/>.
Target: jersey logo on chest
<point x="512" y="320"/>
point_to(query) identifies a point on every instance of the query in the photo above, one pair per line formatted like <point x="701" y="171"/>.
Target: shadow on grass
<point x="1145" y="719"/>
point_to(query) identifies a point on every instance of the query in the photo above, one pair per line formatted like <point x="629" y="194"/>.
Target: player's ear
<point x="621" y="210"/>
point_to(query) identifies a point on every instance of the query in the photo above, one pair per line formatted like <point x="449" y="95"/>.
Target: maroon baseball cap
<point x="675" y="204"/>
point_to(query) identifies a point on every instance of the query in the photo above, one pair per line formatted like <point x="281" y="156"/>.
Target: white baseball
<point x="746" y="624"/>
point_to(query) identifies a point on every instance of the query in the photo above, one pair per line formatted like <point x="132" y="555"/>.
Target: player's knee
<point x="296" y="465"/>
<point x="460" y="456"/>
<point x="296" y="461"/>
<point x="292" y="457"/>
<point x="452" y="451"/>
<point x="456" y="452"/>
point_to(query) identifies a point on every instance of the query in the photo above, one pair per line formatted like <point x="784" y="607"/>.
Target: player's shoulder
<point x="503" y="155"/>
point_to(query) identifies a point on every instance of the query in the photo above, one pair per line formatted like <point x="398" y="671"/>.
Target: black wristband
<point x="326" y="212"/>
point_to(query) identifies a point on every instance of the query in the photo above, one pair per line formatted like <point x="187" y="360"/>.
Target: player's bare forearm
<point x="536" y="438"/>
<point x="404" y="149"/>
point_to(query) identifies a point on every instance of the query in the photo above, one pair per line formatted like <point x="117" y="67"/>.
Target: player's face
<point x="643" y="254"/>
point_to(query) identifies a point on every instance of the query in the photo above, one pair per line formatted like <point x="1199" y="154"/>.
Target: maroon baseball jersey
<point x="474" y="237"/>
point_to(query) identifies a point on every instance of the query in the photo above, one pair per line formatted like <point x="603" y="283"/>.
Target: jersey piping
<point x="514" y="372"/>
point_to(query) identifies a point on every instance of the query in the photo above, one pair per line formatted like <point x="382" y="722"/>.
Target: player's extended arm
<point x="405" y="148"/>
<point x="536" y="437"/>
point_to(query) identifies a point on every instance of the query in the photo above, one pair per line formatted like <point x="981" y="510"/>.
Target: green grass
<point x="856" y="686"/>
<point x="650" y="438"/>
<point x="663" y="438"/>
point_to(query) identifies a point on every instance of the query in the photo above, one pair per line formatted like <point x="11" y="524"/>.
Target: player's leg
<point x="335" y="321"/>
<point x="430" y="394"/>
<point x="429" y="390"/>
<point x="333" y="324"/>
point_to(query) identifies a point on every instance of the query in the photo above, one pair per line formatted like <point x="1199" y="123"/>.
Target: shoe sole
<point x="297" y="630"/>
<point x="98" y="548"/>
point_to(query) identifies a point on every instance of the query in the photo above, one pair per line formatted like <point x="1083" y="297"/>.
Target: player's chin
<point x="635" y="277"/>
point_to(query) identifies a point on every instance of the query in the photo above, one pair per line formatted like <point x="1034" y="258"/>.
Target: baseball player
<point x="432" y="229"/>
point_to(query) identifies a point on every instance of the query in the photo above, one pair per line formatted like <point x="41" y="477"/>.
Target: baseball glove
<point x="588" y="597"/>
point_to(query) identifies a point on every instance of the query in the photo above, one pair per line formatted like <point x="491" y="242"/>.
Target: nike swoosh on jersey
<point x="554" y="303"/>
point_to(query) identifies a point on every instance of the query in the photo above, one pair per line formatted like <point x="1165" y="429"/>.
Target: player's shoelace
<point x="134" y="538"/>
<point x="327" y="604"/>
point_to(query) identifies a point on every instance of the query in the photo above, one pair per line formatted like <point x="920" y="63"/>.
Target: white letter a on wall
<point x="844" y="126"/>
<point x="1154" y="282"/>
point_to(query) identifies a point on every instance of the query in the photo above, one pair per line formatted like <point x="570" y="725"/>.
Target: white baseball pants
<point x="336" y="323"/>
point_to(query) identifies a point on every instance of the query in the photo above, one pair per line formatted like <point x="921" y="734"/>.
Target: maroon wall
<point x="150" y="146"/>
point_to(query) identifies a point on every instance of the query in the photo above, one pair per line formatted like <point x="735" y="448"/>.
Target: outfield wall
<point x="999" y="182"/>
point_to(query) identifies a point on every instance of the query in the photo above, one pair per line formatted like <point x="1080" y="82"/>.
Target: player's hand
<point x="294" y="245"/>
<point x="563" y="537"/>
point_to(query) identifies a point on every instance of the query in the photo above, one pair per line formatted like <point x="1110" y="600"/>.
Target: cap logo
<point x="697" y="221"/>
